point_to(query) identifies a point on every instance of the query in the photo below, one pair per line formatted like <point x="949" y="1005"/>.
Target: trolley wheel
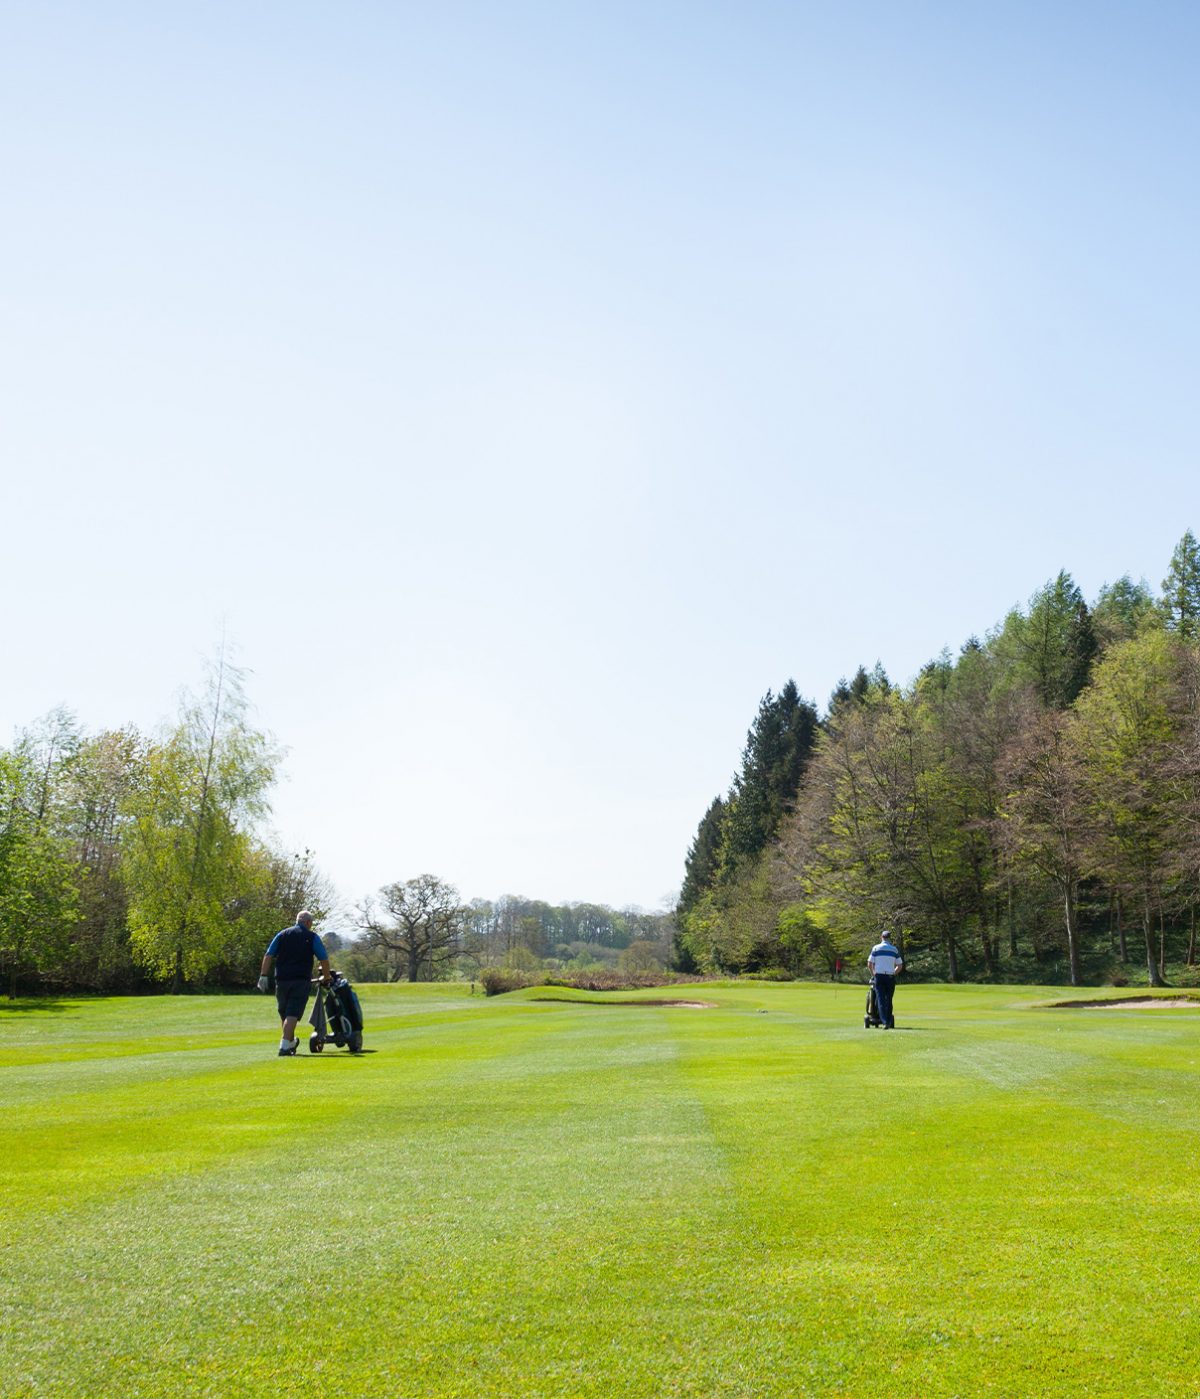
<point x="356" y="1042"/>
<point x="315" y="1044"/>
<point x="866" y="1022"/>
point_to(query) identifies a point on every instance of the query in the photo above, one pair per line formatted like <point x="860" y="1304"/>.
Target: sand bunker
<point x="1136" y="1003"/>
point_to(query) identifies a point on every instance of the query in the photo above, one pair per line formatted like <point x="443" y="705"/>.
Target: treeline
<point x="128" y="860"/>
<point x="420" y="930"/>
<point x="1027" y="808"/>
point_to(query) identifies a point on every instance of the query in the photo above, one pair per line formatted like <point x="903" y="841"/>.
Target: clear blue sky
<point x="528" y="388"/>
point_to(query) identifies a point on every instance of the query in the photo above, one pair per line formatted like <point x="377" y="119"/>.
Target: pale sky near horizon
<point x="528" y="388"/>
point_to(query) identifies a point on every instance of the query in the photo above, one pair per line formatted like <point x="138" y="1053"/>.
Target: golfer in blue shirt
<point x="291" y="953"/>
<point x="885" y="962"/>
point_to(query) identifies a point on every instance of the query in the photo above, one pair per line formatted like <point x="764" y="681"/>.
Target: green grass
<point x="518" y="1198"/>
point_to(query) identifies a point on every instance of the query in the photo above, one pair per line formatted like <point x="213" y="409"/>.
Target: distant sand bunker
<point x="1136" y="1003"/>
<point x="685" y="1005"/>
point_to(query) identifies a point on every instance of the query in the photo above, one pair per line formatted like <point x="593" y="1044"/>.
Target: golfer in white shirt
<point x="885" y="962"/>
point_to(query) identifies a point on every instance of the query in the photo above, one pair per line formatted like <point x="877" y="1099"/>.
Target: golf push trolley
<point x="872" y="1020"/>
<point x="336" y="1016"/>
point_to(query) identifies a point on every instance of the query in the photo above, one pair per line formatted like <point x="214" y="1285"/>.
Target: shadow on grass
<point x="49" y="1005"/>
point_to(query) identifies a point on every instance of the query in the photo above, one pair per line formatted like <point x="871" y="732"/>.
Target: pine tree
<point x="1052" y="647"/>
<point x="1121" y="609"/>
<point x="1181" y="588"/>
<point x="703" y="857"/>
<point x="857" y="691"/>
<point x="1081" y="652"/>
<point x="778" y="747"/>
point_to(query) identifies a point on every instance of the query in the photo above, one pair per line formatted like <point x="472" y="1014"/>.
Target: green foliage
<point x="932" y="811"/>
<point x="704" y="856"/>
<point x="733" y="927"/>
<point x="420" y="928"/>
<point x="1122" y="610"/>
<point x="190" y="853"/>
<point x="1181" y="589"/>
<point x="814" y="938"/>
<point x="38" y="893"/>
<point x="640" y="956"/>
<point x="1051" y="647"/>
<point x="1046" y="823"/>
<point x="273" y="888"/>
<point x="104" y="773"/>
<point x="1127" y="727"/>
<point x="111" y="844"/>
<point x="520" y="959"/>
<point x="778" y="747"/>
<point x="491" y="928"/>
<point x="734" y="833"/>
<point x="864" y="685"/>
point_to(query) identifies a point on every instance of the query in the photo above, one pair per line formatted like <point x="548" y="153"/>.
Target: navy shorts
<point x="291" y="997"/>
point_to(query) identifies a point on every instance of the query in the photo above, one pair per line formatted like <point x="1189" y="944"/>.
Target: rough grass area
<point x="514" y="1198"/>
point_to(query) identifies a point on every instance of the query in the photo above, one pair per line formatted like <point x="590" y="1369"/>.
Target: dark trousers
<point x="884" y="986"/>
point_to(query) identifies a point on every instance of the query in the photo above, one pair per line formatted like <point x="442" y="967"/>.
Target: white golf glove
<point x="263" y="983"/>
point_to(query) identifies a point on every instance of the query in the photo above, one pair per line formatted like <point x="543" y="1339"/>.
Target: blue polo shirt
<point x="294" y="949"/>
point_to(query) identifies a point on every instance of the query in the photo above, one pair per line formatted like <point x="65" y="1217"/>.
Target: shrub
<point x="640" y="956"/>
<point x="497" y="980"/>
<point x="1188" y="976"/>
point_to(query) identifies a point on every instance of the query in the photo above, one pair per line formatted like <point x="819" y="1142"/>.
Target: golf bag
<point x="336" y="1016"/>
<point x="871" y="1020"/>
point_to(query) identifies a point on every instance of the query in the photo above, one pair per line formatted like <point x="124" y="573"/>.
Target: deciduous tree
<point x="38" y="892"/>
<point x="188" y="856"/>
<point x="1128" y="725"/>
<point x="420" y="926"/>
<point x="1044" y="819"/>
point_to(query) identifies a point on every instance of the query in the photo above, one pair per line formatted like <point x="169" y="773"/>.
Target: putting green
<point x="515" y="1197"/>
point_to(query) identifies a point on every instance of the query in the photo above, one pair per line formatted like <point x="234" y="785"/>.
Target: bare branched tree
<point x="420" y="926"/>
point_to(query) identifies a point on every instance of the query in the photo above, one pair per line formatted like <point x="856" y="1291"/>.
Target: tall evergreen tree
<point x="1051" y="648"/>
<point x="1081" y="652"/>
<point x="1121" y="610"/>
<point x="778" y="747"/>
<point x="704" y="856"/>
<point x="859" y="690"/>
<point x="1181" y="588"/>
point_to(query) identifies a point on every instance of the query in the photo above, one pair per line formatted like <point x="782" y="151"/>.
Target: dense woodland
<point x="130" y="861"/>
<point x="1026" y="809"/>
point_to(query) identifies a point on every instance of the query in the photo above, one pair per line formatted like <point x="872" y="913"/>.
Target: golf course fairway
<point x="524" y="1197"/>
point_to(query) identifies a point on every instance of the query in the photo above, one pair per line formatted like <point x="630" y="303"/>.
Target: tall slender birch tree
<point x="192" y="822"/>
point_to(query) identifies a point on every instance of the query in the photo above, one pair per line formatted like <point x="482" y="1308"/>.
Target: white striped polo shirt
<point x="886" y="959"/>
